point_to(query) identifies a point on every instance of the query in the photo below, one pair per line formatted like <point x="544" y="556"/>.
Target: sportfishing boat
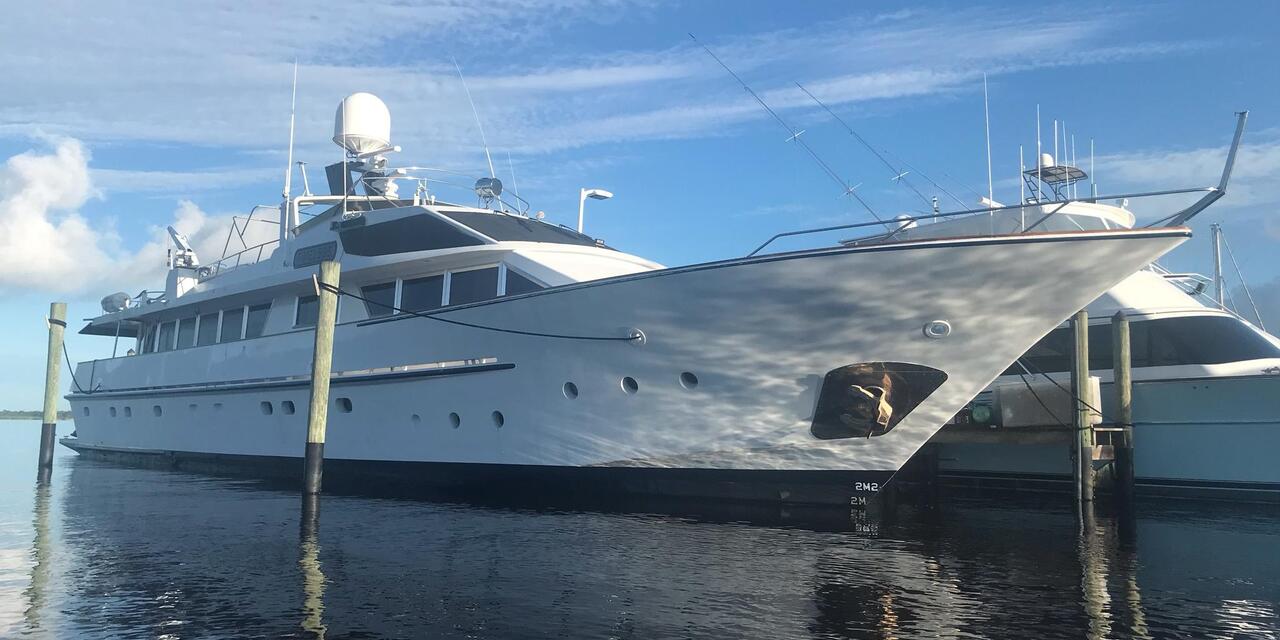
<point x="483" y="349"/>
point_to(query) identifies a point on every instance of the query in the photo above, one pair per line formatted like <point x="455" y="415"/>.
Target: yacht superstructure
<point x="480" y="347"/>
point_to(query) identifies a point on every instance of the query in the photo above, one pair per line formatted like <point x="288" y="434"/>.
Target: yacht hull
<point x="726" y="378"/>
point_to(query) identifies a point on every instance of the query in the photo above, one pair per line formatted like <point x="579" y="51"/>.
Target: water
<point x="114" y="552"/>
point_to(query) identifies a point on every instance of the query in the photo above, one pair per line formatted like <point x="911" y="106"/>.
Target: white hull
<point x="758" y="334"/>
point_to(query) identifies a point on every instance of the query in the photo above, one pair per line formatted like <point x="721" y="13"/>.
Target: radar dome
<point x="1046" y="160"/>
<point x="362" y="124"/>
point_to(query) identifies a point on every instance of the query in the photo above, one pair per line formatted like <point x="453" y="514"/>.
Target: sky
<point x="123" y="117"/>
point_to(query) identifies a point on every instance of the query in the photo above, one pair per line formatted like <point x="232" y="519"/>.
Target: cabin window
<point x="232" y="325"/>
<point x="518" y="283"/>
<point x="1155" y="343"/>
<point x="473" y="286"/>
<point x="308" y="312"/>
<point x="148" y="340"/>
<point x="379" y="298"/>
<point x="186" y="332"/>
<point x="422" y="294"/>
<point x="167" y="331"/>
<point x="207" y="332"/>
<point x="256" y="322"/>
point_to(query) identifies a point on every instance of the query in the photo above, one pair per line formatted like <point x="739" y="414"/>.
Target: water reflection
<point x="309" y="563"/>
<point x="163" y="554"/>
<point x="35" y="595"/>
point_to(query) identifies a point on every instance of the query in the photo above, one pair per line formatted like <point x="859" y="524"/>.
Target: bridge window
<point x="232" y="325"/>
<point x="186" y="332"/>
<point x="308" y="312"/>
<point x="473" y="286"/>
<point x="208" y="330"/>
<point x="167" y="331"/>
<point x="379" y="298"/>
<point x="422" y="294"/>
<point x="256" y="321"/>
<point x="517" y="283"/>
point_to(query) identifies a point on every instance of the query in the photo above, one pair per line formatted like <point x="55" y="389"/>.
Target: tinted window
<point x="166" y="336"/>
<point x="1156" y="343"/>
<point x="232" y="320"/>
<point x="186" y="333"/>
<point x="422" y="294"/>
<point x="308" y="311"/>
<point x="208" y="329"/>
<point x="149" y="340"/>
<point x="473" y="286"/>
<point x="518" y="284"/>
<point x="379" y="298"/>
<point x="257" y="321"/>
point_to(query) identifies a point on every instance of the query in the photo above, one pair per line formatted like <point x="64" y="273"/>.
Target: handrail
<point x="220" y="266"/>
<point x="951" y="214"/>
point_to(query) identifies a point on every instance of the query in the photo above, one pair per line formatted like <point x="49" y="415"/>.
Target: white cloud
<point x="1255" y="181"/>
<point x="208" y="74"/>
<point x="49" y="246"/>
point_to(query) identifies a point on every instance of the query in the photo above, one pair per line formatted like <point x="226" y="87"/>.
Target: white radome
<point x="362" y="124"/>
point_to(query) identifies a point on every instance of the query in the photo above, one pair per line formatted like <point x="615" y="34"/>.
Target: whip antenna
<point x="293" y="107"/>
<point x="483" y="142"/>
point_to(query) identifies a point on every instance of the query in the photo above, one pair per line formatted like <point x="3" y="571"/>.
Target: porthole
<point x="128" y="412"/>
<point x="112" y="411"/>
<point x="344" y="405"/>
<point x="455" y="420"/>
<point x="570" y="390"/>
<point x="287" y="407"/>
<point x="688" y="380"/>
<point x="630" y="385"/>
<point x="192" y="407"/>
<point x="217" y="406"/>
<point x="415" y="419"/>
<point x="498" y="419"/>
<point x="85" y="411"/>
<point x="156" y="410"/>
<point x="266" y="408"/>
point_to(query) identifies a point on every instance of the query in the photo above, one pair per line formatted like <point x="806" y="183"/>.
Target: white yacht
<point x="486" y="350"/>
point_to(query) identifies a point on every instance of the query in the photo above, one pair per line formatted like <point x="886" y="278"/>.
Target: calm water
<point x="113" y="552"/>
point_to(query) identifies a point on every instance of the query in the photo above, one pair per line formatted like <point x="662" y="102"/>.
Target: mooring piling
<point x="1123" y="386"/>
<point x="321" y="365"/>
<point x="1083" y="470"/>
<point x="48" y="427"/>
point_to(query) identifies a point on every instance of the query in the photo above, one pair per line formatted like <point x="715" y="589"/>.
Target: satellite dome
<point x="362" y="124"/>
<point x="116" y="302"/>
<point x="1046" y="160"/>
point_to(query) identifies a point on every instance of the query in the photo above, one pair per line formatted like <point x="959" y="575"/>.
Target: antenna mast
<point x="485" y="143"/>
<point x="986" y="113"/>
<point x="1093" y="187"/>
<point x="286" y="215"/>
<point x="1039" y="153"/>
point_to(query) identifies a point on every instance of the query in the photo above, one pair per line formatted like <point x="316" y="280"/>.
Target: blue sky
<point x="123" y="117"/>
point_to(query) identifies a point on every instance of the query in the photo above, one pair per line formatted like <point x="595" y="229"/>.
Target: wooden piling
<point x="53" y="363"/>
<point x="1123" y="387"/>
<point x="1083" y="471"/>
<point x="321" y="366"/>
